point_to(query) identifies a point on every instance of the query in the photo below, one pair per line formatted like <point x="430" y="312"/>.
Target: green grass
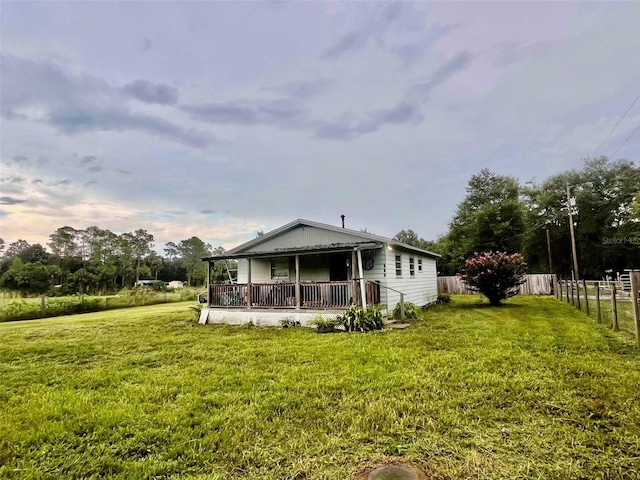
<point x="534" y="389"/>
<point x="15" y="307"/>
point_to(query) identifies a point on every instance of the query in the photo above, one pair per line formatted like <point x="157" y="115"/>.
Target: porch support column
<point x="209" y="282"/>
<point x="297" y="282"/>
<point x="354" y="274"/>
<point x="363" y="291"/>
<point x="249" y="283"/>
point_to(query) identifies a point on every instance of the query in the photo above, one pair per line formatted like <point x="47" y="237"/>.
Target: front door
<point x="338" y="267"/>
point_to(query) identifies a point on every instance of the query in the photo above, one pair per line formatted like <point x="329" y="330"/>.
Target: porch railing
<point x="319" y="295"/>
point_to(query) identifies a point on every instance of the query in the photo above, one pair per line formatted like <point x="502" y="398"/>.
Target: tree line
<point x="95" y="260"/>
<point x="499" y="213"/>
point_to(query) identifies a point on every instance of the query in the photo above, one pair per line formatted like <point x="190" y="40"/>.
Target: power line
<point x="628" y="138"/>
<point x="616" y="126"/>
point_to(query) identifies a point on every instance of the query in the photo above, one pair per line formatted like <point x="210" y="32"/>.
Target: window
<point x="398" y="265"/>
<point x="412" y="267"/>
<point x="419" y="264"/>
<point x="280" y="269"/>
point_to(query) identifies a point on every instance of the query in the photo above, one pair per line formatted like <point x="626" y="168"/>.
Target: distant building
<point x="175" y="284"/>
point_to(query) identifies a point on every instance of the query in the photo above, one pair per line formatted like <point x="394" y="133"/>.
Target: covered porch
<point x="297" y="279"/>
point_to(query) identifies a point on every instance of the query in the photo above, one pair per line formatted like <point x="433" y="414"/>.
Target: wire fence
<point x="615" y="304"/>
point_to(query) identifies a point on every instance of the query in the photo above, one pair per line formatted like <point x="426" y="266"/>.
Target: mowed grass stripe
<point x="533" y="389"/>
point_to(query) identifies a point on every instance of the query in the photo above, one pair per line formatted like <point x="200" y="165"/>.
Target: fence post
<point x="571" y="287"/>
<point x="614" y="308"/>
<point x="560" y="290"/>
<point x="578" y="294"/>
<point x="635" y="293"/>
<point x="586" y="295"/>
<point x="402" y="312"/>
<point x="566" y="285"/>
<point x="598" y="313"/>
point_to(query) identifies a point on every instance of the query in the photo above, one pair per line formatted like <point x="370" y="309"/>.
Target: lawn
<point x="534" y="389"/>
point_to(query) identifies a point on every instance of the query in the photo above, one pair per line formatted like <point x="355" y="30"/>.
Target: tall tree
<point x="192" y="251"/>
<point x="171" y="250"/>
<point x="16" y="247"/>
<point x="603" y="217"/>
<point x="141" y="245"/>
<point x="491" y="217"/>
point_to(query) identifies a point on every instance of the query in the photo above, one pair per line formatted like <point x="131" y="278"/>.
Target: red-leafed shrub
<point x="495" y="275"/>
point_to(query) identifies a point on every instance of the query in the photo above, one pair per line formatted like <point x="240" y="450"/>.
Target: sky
<point x="221" y="119"/>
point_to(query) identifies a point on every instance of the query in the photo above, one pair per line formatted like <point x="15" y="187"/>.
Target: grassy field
<point x="15" y="307"/>
<point x="534" y="389"/>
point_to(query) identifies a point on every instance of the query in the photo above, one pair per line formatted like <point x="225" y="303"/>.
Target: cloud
<point x="459" y="62"/>
<point x="20" y="160"/>
<point x="149" y="92"/>
<point x="375" y="28"/>
<point x="90" y="182"/>
<point x="280" y="112"/>
<point x="87" y="159"/>
<point x="123" y="172"/>
<point x="350" y="126"/>
<point x="44" y="92"/>
<point x="301" y="90"/>
<point x="59" y="182"/>
<point x="13" y="179"/>
<point x="94" y="169"/>
<point x="37" y="180"/>
<point x="207" y="212"/>
<point x="10" y="201"/>
<point x="410" y="52"/>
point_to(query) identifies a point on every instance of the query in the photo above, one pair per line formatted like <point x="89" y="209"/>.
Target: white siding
<point x="420" y="289"/>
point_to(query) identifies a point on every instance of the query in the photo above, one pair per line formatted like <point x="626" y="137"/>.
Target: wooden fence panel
<point x="536" y="284"/>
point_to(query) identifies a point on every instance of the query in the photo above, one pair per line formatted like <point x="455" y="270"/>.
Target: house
<point x="304" y="269"/>
<point x="175" y="284"/>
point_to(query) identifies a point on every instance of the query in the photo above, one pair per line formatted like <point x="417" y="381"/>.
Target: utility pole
<point x="573" y="236"/>
<point x="549" y="252"/>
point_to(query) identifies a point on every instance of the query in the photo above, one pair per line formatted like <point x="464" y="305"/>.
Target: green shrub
<point x="356" y="319"/>
<point x="443" y="298"/>
<point x="324" y="325"/>
<point x="411" y="311"/>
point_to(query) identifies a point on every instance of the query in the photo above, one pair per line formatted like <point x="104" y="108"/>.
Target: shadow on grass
<point x="477" y="305"/>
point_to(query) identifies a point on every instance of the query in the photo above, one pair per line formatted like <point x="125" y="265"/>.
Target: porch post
<point x="363" y="291"/>
<point x="249" y="283"/>
<point x="354" y="274"/>
<point x="297" y="282"/>
<point x="209" y="283"/>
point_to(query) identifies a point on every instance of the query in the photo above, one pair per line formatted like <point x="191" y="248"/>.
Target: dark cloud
<point x="10" y="201"/>
<point x="37" y="180"/>
<point x="78" y="103"/>
<point x="87" y="159"/>
<point x="149" y="92"/>
<point x="59" y="182"/>
<point x="13" y="179"/>
<point x="94" y="169"/>
<point x="352" y="126"/>
<point x="459" y="62"/>
<point x="90" y="182"/>
<point x="208" y="212"/>
<point x="123" y="172"/>
<point x="280" y="113"/>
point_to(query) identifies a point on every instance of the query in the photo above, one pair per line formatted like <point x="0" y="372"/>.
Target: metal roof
<point x="353" y="238"/>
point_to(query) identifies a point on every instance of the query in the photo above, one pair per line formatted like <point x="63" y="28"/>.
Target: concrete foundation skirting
<point x="265" y="317"/>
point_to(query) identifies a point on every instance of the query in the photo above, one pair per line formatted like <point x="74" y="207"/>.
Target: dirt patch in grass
<point x="394" y="469"/>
